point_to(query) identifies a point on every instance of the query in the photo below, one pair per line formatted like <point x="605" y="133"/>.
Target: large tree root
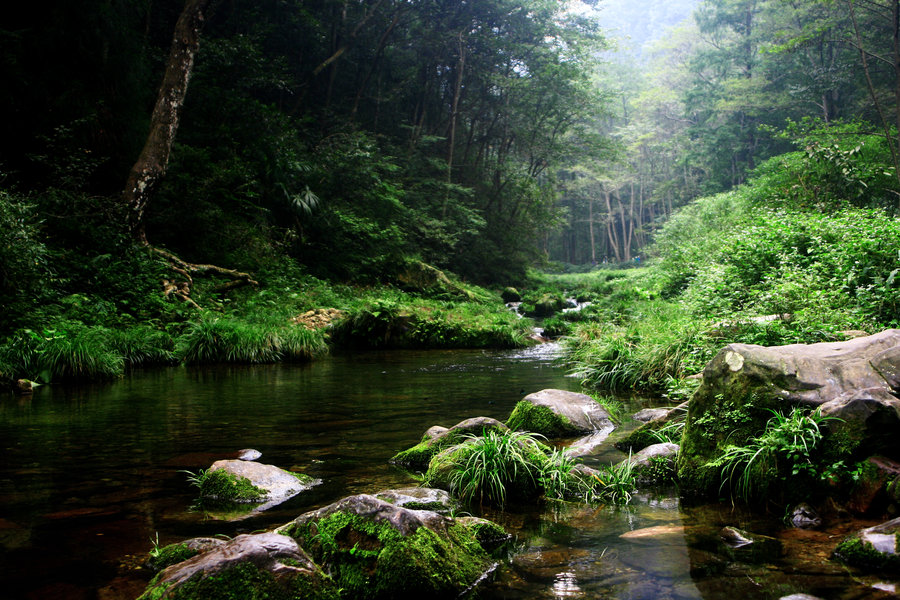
<point x="181" y="288"/>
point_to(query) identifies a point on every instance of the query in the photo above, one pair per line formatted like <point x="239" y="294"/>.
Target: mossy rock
<point x="221" y="486"/>
<point x="743" y="383"/>
<point x="437" y="439"/>
<point x="253" y="567"/>
<point x="546" y="305"/>
<point x="374" y="549"/>
<point x="559" y="413"/>
<point x="874" y="549"/>
<point x="511" y="294"/>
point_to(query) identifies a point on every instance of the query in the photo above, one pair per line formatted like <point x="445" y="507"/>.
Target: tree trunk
<point x="591" y="228"/>
<point x="454" y="111"/>
<point x="154" y="158"/>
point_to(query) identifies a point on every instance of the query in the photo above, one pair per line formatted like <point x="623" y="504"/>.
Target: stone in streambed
<point x="854" y="380"/>
<point x="874" y="548"/>
<point x="375" y="549"/>
<point x="247" y="482"/>
<point x="559" y="413"/>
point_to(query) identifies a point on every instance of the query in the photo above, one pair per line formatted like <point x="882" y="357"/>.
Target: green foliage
<point x="487" y="468"/>
<point x="401" y="321"/>
<point x="784" y="453"/>
<point x="219" y="339"/>
<point x="23" y="254"/>
<point x="613" y="484"/>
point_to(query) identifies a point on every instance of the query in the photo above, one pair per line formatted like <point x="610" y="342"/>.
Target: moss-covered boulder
<point x="166" y="556"/>
<point x="544" y="305"/>
<point x="511" y="294"/>
<point x="374" y="549"/>
<point x="251" y="482"/>
<point x="438" y="438"/>
<point x="744" y="383"/>
<point x="265" y="565"/>
<point x="559" y="413"/>
<point x="875" y="548"/>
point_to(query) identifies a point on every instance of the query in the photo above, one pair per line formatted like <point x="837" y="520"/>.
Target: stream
<point x="92" y="476"/>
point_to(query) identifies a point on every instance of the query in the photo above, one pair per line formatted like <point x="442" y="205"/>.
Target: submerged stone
<point x="750" y="547"/>
<point x="559" y="413"/>
<point x="805" y="516"/>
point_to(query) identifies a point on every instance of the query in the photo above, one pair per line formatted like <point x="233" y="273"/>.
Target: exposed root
<point x="181" y="288"/>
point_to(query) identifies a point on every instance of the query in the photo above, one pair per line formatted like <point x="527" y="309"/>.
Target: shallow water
<point x="91" y="476"/>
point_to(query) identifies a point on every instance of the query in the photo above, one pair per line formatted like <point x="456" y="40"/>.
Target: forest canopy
<point x="347" y="140"/>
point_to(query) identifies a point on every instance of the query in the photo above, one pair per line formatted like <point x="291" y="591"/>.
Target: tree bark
<point x="154" y="157"/>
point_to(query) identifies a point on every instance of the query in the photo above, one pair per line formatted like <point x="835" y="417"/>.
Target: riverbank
<point x="288" y="317"/>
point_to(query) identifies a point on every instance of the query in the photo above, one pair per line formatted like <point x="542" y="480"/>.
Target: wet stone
<point x="805" y="517"/>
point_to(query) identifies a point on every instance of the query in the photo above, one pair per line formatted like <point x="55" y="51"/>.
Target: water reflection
<point x="89" y="475"/>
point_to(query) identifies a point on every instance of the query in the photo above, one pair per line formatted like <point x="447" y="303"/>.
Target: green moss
<point x="433" y="506"/>
<point x="855" y="551"/>
<point x="221" y="486"/>
<point x="489" y="535"/>
<point x="373" y="560"/>
<point x="303" y="478"/>
<point x="169" y="555"/>
<point x="539" y="419"/>
<point x="416" y="457"/>
<point x="640" y="438"/>
<point x="246" y="582"/>
<point x="659" y="471"/>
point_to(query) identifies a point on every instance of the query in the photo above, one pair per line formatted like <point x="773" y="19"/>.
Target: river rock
<point x="438" y="438"/>
<point x="160" y="558"/>
<point x="374" y="549"/>
<point x="558" y="413"/>
<point x="510" y="294"/>
<point x="750" y="547"/>
<point x="876" y="486"/>
<point x="651" y="414"/>
<point x="586" y="445"/>
<point x="744" y="382"/>
<point x="276" y="484"/>
<point x="249" y="566"/>
<point x="874" y="548"/>
<point x="805" y="516"/>
<point x="655" y="463"/>
<point x="419" y="498"/>
<point x="649" y="433"/>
